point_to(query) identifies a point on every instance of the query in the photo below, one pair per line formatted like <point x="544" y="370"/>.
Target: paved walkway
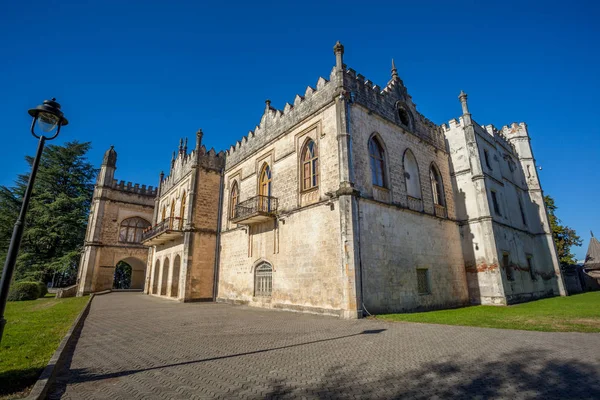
<point x="135" y="346"/>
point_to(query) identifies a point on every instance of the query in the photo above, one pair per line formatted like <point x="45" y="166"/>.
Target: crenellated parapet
<point x="182" y="163"/>
<point x="135" y="188"/>
<point x="394" y="104"/>
<point x="275" y="122"/>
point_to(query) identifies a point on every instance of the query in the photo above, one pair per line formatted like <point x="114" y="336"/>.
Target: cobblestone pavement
<point x="134" y="346"/>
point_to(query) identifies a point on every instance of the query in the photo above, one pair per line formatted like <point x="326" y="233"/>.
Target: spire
<point x="110" y="157"/>
<point x="338" y="50"/>
<point x="463" y="101"/>
<point x="394" y="71"/>
<point x="185" y="146"/>
<point x="180" y="145"/>
<point x="199" y="135"/>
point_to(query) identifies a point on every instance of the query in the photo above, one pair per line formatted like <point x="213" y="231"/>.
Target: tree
<point x="57" y="215"/>
<point x="564" y="237"/>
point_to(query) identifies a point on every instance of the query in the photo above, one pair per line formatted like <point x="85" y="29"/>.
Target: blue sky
<point x="142" y="74"/>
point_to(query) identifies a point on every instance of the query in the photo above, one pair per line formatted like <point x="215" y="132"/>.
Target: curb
<point x="46" y="379"/>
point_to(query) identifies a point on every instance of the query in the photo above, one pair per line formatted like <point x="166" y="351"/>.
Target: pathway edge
<point x="48" y="375"/>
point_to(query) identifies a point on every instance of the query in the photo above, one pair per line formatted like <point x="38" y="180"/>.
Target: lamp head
<point x="48" y="117"/>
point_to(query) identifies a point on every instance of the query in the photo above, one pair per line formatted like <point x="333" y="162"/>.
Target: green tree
<point x="57" y="215"/>
<point x="564" y="237"/>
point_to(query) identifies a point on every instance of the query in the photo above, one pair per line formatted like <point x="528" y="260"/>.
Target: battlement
<point x="452" y="124"/>
<point x="515" y="130"/>
<point x="136" y="188"/>
<point x="387" y="102"/>
<point x="182" y="163"/>
<point x="275" y="122"/>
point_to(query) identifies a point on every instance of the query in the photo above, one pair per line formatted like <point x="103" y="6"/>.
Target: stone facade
<point x="182" y="241"/>
<point x="349" y="201"/>
<point x="506" y="238"/>
<point x="118" y="214"/>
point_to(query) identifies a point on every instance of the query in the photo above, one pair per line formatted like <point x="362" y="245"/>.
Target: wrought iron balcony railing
<point x="255" y="209"/>
<point x="168" y="225"/>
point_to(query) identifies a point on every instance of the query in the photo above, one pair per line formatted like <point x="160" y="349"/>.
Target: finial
<point x="338" y="50"/>
<point x="463" y="101"/>
<point x="199" y="135"/>
<point x="112" y="146"/>
<point x="173" y="158"/>
<point x="592" y="233"/>
<point x="185" y="146"/>
<point x="162" y="175"/>
<point x="268" y="103"/>
<point x="394" y="70"/>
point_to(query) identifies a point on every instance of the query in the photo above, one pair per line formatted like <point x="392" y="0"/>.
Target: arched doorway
<point x="164" y="277"/>
<point x="155" y="277"/>
<point x="122" y="277"/>
<point x="130" y="273"/>
<point x="175" y="278"/>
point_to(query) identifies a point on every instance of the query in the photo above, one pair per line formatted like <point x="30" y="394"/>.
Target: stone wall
<point x="113" y="203"/>
<point x="303" y="243"/>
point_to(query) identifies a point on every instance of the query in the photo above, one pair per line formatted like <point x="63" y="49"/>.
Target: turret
<point x="107" y="170"/>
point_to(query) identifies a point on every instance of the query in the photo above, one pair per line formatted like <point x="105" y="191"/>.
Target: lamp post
<point x="49" y="119"/>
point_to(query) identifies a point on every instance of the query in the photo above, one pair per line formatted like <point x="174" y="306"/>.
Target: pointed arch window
<point x="131" y="230"/>
<point x="182" y="209"/>
<point x="377" y="157"/>
<point x="411" y="173"/>
<point x="264" y="188"/>
<point x="263" y="280"/>
<point x="310" y="166"/>
<point x="233" y="200"/>
<point x="172" y="216"/>
<point x="164" y="213"/>
<point x="436" y="186"/>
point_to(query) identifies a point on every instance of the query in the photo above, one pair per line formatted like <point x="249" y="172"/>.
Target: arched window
<point x="437" y="189"/>
<point x="310" y="165"/>
<point x="164" y="213"/>
<point x="182" y="209"/>
<point x="263" y="280"/>
<point x="233" y="200"/>
<point x="404" y="117"/>
<point x="411" y="173"/>
<point x="377" y="156"/>
<point x="131" y="230"/>
<point x="172" y="214"/>
<point x="264" y="189"/>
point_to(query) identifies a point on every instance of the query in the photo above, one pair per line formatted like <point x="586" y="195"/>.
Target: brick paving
<point x="134" y="346"/>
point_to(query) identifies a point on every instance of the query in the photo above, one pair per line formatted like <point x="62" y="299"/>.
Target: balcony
<point x="168" y="229"/>
<point x="255" y="210"/>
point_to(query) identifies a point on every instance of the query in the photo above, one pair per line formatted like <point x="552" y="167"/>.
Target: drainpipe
<point x="218" y="241"/>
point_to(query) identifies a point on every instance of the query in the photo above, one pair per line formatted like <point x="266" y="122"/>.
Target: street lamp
<point x="49" y="119"/>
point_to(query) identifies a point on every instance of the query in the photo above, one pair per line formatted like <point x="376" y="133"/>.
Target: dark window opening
<point x="495" y="203"/>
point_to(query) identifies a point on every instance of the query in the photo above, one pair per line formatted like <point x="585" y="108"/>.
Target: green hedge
<point x="43" y="289"/>
<point x="24" y="291"/>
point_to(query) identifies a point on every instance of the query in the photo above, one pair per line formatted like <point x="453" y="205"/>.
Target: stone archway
<point x="175" y="277"/>
<point x="137" y="275"/>
<point x="155" y="277"/>
<point x="122" y="277"/>
<point x="164" y="277"/>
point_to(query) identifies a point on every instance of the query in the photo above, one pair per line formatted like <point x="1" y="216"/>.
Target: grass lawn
<point x="578" y="313"/>
<point x="32" y="334"/>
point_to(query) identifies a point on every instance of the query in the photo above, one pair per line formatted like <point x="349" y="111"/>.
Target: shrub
<point x="24" y="291"/>
<point x="43" y="289"/>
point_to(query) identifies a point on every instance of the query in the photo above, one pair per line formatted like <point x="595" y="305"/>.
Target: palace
<point x="346" y="202"/>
